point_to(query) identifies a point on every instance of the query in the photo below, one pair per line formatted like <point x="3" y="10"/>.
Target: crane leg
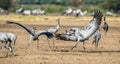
<point x="14" y="44"/>
<point x="53" y="42"/>
<point x="11" y="49"/>
<point x="7" y="53"/>
<point x="93" y="42"/>
<point x="105" y="32"/>
<point x="38" y="44"/>
<point x="29" y="44"/>
<point x="5" y="45"/>
<point x="48" y="43"/>
<point x="96" y="44"/>
<point x="83" y="46"/>
<point x="74" y="46"/>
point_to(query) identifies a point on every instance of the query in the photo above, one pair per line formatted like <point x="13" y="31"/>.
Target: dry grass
<point x="108" y="51"/>
<point x="49" y="18"/>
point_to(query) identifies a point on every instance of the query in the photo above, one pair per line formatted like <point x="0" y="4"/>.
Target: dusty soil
<point x="108" y="51"/>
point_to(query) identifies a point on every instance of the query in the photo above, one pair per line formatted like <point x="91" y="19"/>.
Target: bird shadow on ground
<point x="101" y="51"/>
<point x="9" y="56"/>
<point x="87" y="51"/>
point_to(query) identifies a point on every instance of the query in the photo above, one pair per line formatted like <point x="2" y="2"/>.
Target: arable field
<point x="108" y="51"/>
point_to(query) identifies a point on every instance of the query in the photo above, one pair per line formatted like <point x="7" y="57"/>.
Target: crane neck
<point x="104" y="17"/>
<point x="58" y="26"/>
<point x="33" y="30"/>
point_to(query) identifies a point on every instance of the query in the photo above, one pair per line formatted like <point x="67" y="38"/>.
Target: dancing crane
<point x="33" y="35"/>
<point x="92" y="27"/>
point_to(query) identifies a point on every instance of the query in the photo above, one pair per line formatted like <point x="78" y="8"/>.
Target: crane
<point x="96" y="37"/>
<point x="38" y="12"/>
<point x="68" y="11"/>
<point x="26" y="12"/>
<point x="54" y="30"/>
<point x="12" y="38"/>
<point x="105" y="25"/>
<point x="76" y="12"/>
<point x="91" y="28"/>
<point x="4" y="40"/>
<point x="20" y="10"/>
<point x="83" y="13"/>
<point x="34" y="36"/>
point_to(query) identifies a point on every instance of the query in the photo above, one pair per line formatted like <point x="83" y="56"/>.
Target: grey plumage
<point x="68" y="11"/>
<point x="23" y="11"/>
<point x="79" y="12"/>
<point x="26" y="12"/>
<point x="20" y="10"/>
<point x="54" y="30"/>
<point x="109" y="13"/>
<point x="12" y="38"/>
<point x="38" y="12"/>
<point x="34" y="36"/>
<point x="83" y="13"/>
<point x="4" y="40"/>
<point x="42" y="12"/>
<point x="96" y="37"/>
<point x="35" y="12"/>
<point x="105" y="25"/>
<point x="3" y="11"/>
<point x="91" y="28"/>
<point x="66" y="37"/>
<point x="76" y="12"/>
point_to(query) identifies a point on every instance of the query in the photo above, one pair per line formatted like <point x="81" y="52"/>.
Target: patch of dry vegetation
<point x="14" y="17"/>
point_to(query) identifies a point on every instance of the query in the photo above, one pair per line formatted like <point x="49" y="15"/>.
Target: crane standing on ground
<point x="54" y="30"/>
<point x="4" y="39"/>
<point x="12" y="38"/>
<point x="20" y="10"/>
<point x="105" y="25"/>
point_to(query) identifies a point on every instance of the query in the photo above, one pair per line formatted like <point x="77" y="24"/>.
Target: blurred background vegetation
<point x="55" y="6"/>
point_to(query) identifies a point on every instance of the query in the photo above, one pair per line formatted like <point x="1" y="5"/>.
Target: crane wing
<point x="54" y="29"/>
<point x="87" y="31"/>
<point x="40" y="32"/>
<point x="21" y="25"/>
<point x="93" y="26"/>
<point x="44" y="32"/>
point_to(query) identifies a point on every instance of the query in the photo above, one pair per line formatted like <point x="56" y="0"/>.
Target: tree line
<point x="113" y="5"/>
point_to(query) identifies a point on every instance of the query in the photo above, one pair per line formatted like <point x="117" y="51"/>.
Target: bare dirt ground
<point x="108" y="51"/>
